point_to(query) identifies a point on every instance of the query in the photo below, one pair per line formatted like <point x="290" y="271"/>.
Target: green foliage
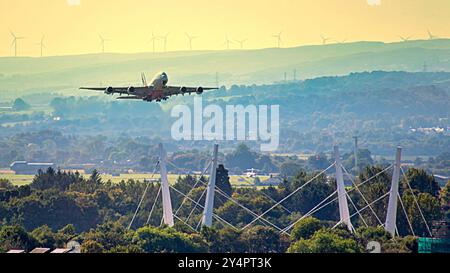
<point x="430" y="208"/>
<point x="306" y="228"/>
<point x="166" y="240"/>
<point x="223" y="180"/>
<point x="224" y="240"/>
<point x="325" y="241"/>
<point x="260" y="239"/>
<point x="108" y="237"/>
<point x="378" y="234"/>
<point x="306" y="199"/>
<point x="16" y="237"/>
<point x="5" y="184"/>
<point x="20" y="105"/>
<point x="422" y="182"/>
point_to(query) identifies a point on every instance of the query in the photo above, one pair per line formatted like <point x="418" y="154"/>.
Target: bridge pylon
<point x="391" y="217"/>
<point x="209" y="203"/>
<point x="165" y="188"/>
<point x="344" y="213"/>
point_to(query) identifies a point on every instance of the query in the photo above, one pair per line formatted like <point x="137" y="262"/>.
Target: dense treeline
<point x="118" y="155"/>
<point x="59" y="206"/>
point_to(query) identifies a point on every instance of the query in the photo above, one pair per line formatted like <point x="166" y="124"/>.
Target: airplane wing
<point x="180" y="90"/>
<point x="111" y="90"/>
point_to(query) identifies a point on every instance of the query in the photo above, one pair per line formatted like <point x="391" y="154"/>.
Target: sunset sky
<point x="73" y="26"/>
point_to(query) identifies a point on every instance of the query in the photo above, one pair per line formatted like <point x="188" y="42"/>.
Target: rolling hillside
<point x="64" y="74"/>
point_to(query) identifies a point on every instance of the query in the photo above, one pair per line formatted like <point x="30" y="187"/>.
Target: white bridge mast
<point x="344" y="213"/>
<point x="391" y="217"/>
<point x="209" y="203"/>
<point x="167" y="202"/>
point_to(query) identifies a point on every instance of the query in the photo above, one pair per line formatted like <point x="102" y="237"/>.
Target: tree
<point x="91" y="246"/>
<point x="242" y="158"/>
<point x="223" y="180"/>
<point x="445" y="200"/>
<point x="260" y="239"/>
<point x="419" y="180"/>
<point x="430" y="208"/>
<point x="311" y="195"/>
<point x="20" y="105"/>
<point x="5" y="184"/>
<point x="378" y="186"/>
<point x="16" y="237"/>
<point x="306" y="228"/>
<point x="325" y="241"/>
<point x="289" y="169"/>
<point x="224" y="240"/>
<point x="46" y="237"/>
<point x="165" y="240"/>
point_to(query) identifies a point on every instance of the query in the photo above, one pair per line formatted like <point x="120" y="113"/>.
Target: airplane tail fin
<point x="144" y="80"/>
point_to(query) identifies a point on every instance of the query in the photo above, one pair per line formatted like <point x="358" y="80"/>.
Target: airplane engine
<point x="183" y="90"/>
<point x="109" y="90"/>
<point x="130" y="90"/>
<point x="199" y="90"/>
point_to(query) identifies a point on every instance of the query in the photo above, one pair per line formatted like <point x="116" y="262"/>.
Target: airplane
<point x="251" y="173"/>
<point x="157" y="91"/>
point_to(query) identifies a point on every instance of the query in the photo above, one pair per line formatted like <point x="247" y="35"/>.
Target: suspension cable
<point x="201" y="206"/>
<point x="266" y="195"/>
<point x="362" y="195"/>
<point x="154" y="205"/>
<point x="289" y="195"/>
<point x="221" y="192"/>
<point x="193" y="188"/>
<point x="195" y="206"/>
<point x="373" y="202"/>
<point x="314" y="210"/>
<point x="354" y="206"/>
<point x="143" y="196"/>
<point x="415" y="200"/>
<point x="406" y="214"/>
<point x="309" y="213"/>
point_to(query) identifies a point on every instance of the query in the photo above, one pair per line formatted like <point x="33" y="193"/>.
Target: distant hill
<point x="263" y="66"/>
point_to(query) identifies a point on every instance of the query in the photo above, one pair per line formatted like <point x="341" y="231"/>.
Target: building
<point x="23" y="167"/>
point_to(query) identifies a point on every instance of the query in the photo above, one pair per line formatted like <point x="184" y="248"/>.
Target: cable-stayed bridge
<point x="341" y="196"/>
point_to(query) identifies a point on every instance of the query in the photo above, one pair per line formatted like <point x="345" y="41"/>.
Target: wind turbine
<point x="227" y="42"/>
<point x="343" y="41"/>
<point x="241" y="42"/>
<point x="164" y="38"/>
<point x="153" y="40"/>
<point x="325" y="40"/>
<point x="14" y="42"/>
<point x="278" y="37"/>
<point x="102" y="42"/>
<point x="190" y="38"/>
<point x="41" y="45"/>
<point x="431" y="36"/>
<point x="405" y="39"/>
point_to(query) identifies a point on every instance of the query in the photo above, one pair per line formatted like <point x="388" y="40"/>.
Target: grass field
<point x="237" y="181"/>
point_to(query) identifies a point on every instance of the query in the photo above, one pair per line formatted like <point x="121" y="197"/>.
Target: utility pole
<point x="356" y="154"/>
<point x="295" y="74"/>
<point x="391" y="217"/>
<point x="285" y="77"/>
<point x="209" y="203"/>
<point x="425" y="67"/>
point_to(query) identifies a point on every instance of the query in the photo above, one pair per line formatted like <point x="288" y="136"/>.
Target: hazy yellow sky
<point x="72" y="26"/>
